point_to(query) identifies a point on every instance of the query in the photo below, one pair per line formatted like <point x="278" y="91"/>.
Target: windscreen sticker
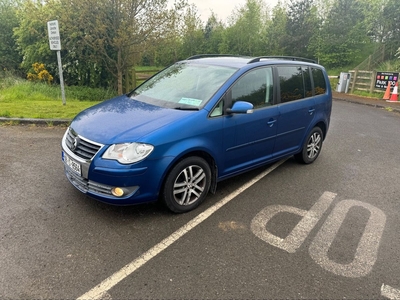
<point x="191" y="101"/>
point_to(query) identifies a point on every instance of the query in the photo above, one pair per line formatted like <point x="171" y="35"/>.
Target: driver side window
<point x="255" y="87"/>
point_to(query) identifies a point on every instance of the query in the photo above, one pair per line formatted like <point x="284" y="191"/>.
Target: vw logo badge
<point x="75" y="144"/>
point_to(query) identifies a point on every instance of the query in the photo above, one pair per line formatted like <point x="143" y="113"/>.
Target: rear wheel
<point x="187" y="184"/>
<point x="312" y="147"/>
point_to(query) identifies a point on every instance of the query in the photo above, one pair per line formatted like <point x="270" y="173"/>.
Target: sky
<point x="222" y="8"/>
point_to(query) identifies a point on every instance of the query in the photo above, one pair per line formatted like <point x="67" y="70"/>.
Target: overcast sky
<point x="222" y="8"/>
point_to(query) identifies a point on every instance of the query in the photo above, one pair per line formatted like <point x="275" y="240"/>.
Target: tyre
<point x="311" y="148"/>
<point x="187" y="184"/>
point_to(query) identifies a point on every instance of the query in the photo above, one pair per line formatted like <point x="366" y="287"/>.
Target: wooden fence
<point x="363" y="81"/>
<point x="133" y="79"/>
<point x="364" y="75"/>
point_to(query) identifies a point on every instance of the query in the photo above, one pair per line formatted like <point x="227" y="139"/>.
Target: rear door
<point x="296" y="108"/>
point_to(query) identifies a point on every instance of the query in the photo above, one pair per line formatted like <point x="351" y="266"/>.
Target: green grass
<point x="23" y="99"/>
<point x="369" y="95"/>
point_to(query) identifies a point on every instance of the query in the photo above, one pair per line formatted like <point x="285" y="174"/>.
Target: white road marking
<point x="299" y="233"/>
<point x="389" y="292"/>
<point x="99" y="291"/>
<point x="368" y="246"/>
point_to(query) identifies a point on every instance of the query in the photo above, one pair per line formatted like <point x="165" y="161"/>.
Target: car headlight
<point x="128" y="153"/>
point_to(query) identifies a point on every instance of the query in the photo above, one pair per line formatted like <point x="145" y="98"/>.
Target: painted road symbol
<point x="367" y="249"/>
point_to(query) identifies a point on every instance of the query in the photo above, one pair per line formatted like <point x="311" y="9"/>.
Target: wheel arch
<point x="199" y="153"/>
<point x="322" y="125"/>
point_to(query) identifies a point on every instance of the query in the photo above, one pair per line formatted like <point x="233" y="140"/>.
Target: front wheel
<point x="187" y="184"/>
<point x="312" y="147"/>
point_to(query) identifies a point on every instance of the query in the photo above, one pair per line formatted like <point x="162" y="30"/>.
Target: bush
<point x="397" y="64"/>
<point x="8" y="79"/>
<point x="41" y="74"/>
<point x="89" y="94"/>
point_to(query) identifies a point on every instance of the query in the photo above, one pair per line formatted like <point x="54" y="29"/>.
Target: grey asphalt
<point x="56" y="243"/>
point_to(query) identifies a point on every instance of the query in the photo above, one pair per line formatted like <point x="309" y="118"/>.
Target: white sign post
<point x="55" y="44"/>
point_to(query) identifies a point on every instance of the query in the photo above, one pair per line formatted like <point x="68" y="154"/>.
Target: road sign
<point x="54" y="35"/>
<point x="55" y="44"/>
<point x="383" y="78"/>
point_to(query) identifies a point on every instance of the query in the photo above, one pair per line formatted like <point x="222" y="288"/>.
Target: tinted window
<point x="291" y="83"/>
<point x="319" y="81"/>
<point x="255" y="87"/>
<point x="307" y="82"/>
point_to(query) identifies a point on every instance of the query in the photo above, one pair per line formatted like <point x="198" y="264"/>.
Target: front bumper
<point x="97" y="189"/>
<point x="97" y="177"/>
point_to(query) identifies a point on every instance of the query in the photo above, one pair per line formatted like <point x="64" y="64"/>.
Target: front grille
<point x="80" y="146"/>
<point x="85" y="185"/>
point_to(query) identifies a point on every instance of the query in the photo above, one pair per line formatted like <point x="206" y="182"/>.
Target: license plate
<point x="72" y="164"/>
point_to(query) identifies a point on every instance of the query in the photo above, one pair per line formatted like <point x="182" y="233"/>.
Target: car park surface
<point x="57" y="243"/>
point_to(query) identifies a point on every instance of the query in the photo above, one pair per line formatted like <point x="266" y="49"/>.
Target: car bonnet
<point x="123" y="119"/>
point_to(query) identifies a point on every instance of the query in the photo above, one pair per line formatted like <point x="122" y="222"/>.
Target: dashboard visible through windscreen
<point x="184" y="85"/>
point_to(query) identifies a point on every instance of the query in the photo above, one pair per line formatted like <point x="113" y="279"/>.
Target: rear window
<point x="319" y="81"/>
<point x="295" y="82"/>
<point x="291" y="83"/>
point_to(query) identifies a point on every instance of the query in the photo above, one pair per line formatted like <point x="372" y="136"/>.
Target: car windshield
<point x="183" y="85"/>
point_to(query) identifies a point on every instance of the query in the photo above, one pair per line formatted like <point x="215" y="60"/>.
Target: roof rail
<point x="294" y="58"/>
<point x="210" y="55"/>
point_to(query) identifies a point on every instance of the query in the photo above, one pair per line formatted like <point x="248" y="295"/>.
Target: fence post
<point x="354" y="81"/>
<point x="372" y="85"/>
<point x="134" y="78"/>
<point x="127" y="81"/>
<point x="369" y="62"/>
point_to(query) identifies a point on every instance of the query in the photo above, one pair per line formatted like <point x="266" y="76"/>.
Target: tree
<point x="166" y="49"/>
<point x="31" y="34"/>
<point x="391" y="15"/>
<point x="80" y="65"/>
<point x="191" y="32"/>
<point x="244" y="35"/>
<point x="301" y="26"/>
<point x="9" y="55"/>
<point x="102" y="40"/>
<point x="117" y="30"/>
<point x="213" y="35"/>
<point x="398" y="59"/>
<point x="374" y="19"/>
<point x="343" y="34"/>
<point x="276" y="31"/>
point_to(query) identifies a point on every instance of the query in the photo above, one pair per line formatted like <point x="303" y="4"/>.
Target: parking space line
<point x="99" y="291"/>
<point x="389" y="292"/>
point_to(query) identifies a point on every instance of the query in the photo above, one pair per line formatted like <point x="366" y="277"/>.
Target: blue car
<point x="196" y="123"/>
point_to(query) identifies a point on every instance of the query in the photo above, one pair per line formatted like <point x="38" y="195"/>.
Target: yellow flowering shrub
<point x="41" y="74"/>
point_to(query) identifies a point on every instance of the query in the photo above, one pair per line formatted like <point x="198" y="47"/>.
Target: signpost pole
<point x="61" y="77"/>
<point x="55" y="44"/>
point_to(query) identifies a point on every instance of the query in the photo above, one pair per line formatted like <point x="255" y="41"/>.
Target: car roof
<point x="241" y="61"/>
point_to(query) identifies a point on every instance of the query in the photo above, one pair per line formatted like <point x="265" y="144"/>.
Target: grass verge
<point x="24" y="99"/>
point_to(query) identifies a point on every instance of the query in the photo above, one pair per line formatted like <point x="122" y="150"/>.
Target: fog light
<point x="117" y="192"/>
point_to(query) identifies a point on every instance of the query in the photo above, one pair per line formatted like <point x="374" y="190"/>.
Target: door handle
<point x="271" y="123"/>
<point x="311" y="111"/>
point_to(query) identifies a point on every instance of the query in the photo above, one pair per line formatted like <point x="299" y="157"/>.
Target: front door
<point x="249" y="138"/>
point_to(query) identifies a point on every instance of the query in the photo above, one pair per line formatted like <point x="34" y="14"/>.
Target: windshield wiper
<point x="186" y="108"/>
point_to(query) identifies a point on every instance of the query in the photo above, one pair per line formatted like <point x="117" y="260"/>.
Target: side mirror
<point x="241" y="107"/>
